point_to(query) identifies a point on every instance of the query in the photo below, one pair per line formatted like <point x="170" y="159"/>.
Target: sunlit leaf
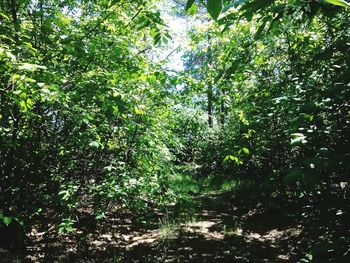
<point x="338" y="3"/>
<point x="233" y="158"/>
<point x="244" y="151"/>
<point x="94" y="144"/>
<point x="193" y="9"/>
<point x="139" y="111"/>
<point x="10" y="55"/>
<point x="298" y="138"/>
<point x="30" y="67"/>
<point x="4" y="16"/>
<point x="7" y="220"/>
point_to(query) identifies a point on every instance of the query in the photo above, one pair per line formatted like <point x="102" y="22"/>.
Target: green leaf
<point x="30" y="67"/>
<point x="243" y="150"/>
<point x="339" y="3"/>
<point x="10" y="55"/>
<point x="7" y="220"/>
<point x="260" y="30"/>
<point x="94" y="144"/>
<point x="157" y="38"/>
<point x="100" y="215"/>
<point x="193" y="9"/>
<point x="189" y="4"/>
<point x="214" y="8"/>
<point x="139" y="111"/>
<point x="4" y="16"/>
<point x="233" y="158"/>
<point x="298" y="138"/>
<point x="66" y="226"/>
<point x="23" y="105"/>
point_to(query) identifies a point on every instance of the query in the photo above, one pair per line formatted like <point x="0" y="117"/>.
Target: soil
<point x="222" y="228"/>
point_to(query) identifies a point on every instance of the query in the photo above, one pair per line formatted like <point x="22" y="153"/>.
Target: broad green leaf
<point x="30" y="67"/>
<point x="66" y="226"/>
<point x="214" y="8"/>
<point x="243" y="150"/>
<point x="339" y="3"/>
<point x="94" y="144"/>
<point x="233" y="158"/>
<point x="193" y="9"/>
<point x="298" y="138"/>
<point x="218" y="77"/>
<point x="10" y="55"/>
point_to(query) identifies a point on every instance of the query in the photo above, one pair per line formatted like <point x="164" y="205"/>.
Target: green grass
<point x="183" y="183"/>
<point x="217" y="184"/>
<point x="168" y="228"/>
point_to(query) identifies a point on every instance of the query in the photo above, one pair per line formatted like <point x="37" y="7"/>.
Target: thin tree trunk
<point x="210" y="95"/>
<point x="222" y="107"/>
<point x="210" y="103"/>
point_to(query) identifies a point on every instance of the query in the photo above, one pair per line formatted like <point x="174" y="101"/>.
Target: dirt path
<point x="213" y="228"/>
<point x="221" y="231"/>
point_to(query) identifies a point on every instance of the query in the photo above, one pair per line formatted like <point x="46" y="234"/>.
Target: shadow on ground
<point x="226" y="232"/>
<point x="221" y="228"/>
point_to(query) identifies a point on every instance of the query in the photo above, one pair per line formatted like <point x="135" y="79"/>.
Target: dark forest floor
<point x="214" y="227"/>
<point x="219" y="229"/>
<point x="223" y="230"/>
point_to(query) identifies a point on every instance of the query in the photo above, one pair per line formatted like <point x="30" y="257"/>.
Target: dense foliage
<point x="81" y="109"/>
<point x="276" y="83"/>
<point x="89" y="119"/>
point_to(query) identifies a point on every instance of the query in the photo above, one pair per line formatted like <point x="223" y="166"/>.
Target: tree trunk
<point x="210" y="89"/>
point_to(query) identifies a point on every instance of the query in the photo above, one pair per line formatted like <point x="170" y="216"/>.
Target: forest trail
<point x="222" y="229"/>
<point x="212" y="227"/>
